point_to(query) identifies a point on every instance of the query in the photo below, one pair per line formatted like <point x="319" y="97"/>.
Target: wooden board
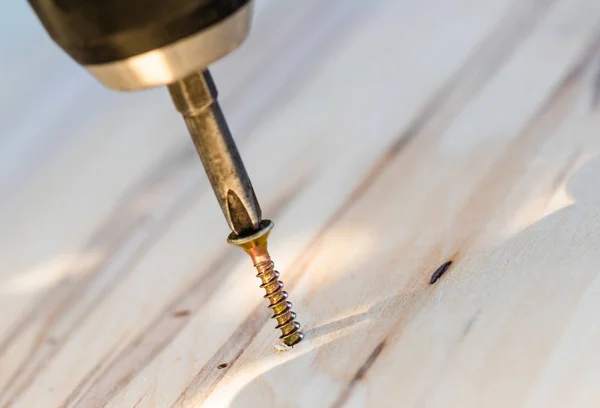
<point x="384" y="138"/>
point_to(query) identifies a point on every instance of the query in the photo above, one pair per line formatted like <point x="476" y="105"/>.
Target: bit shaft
<point x="196" y="98"/>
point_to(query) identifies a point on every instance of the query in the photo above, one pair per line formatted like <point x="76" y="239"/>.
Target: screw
<point x="255" y="245"/>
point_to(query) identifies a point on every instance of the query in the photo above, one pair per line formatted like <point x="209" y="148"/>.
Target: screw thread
<point x="282" y="308"/>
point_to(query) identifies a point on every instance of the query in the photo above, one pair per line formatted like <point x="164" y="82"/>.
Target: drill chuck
<point x="136" y="44"/>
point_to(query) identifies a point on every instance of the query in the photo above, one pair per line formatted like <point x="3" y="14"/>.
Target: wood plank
<point x="463" y="203"/>
<point x="384" y="139"/>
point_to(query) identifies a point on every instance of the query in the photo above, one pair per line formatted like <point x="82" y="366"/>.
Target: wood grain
<point x="385" y="139"/>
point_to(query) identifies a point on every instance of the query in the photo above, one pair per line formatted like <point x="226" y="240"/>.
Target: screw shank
<point x="196" y="98"/>
<point x="255" y="245"/>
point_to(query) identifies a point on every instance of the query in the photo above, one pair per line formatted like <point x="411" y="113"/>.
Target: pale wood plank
<point x="389" y="152"/>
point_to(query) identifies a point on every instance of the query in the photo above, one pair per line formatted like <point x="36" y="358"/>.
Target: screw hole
<point x="222" y="366"/>
<point x="439" y="272"/>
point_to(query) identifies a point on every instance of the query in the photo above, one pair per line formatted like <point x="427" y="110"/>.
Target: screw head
<point x="256" y="239"/>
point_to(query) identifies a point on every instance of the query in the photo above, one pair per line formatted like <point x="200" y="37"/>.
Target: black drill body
<point x="103" y="31"/>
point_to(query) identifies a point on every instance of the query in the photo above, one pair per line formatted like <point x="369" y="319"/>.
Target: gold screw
<point x="255" y="245"/>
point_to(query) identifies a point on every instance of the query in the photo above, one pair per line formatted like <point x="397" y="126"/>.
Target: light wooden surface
<point x="384" y="138"/>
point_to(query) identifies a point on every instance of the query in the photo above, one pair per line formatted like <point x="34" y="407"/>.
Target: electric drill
<point x="137" y="44"/>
